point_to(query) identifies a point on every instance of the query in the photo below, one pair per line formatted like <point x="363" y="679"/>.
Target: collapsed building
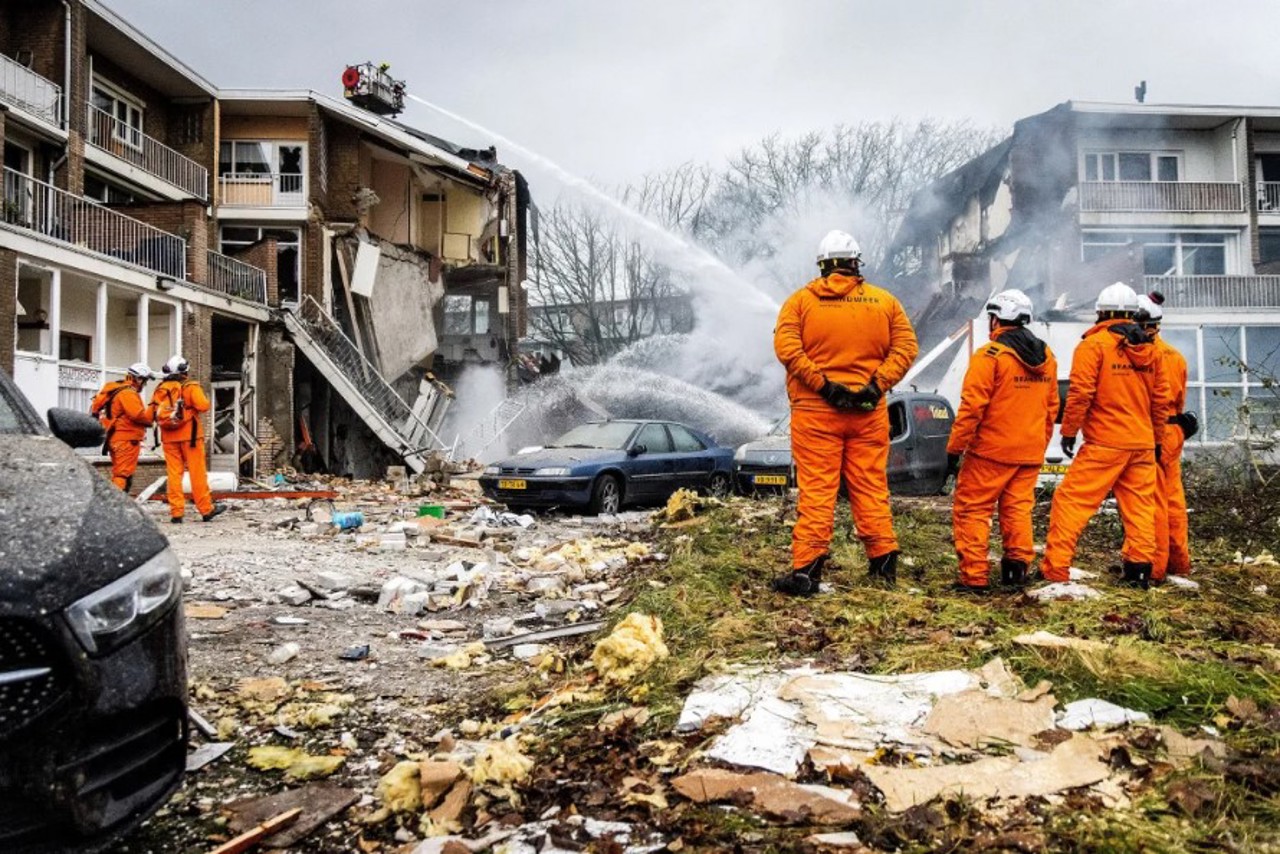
<point x="327" y="270"/>
<point x="1180" y="199"/>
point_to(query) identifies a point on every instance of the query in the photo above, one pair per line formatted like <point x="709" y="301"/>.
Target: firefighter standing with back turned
<point x="179" y="403"/>
<point x="1007" y="408"/>
<point x="125" y="417"/>
<point x="1172" y="551"/>
<point x="1118" y="396"/>
<point x="844" y="343"/>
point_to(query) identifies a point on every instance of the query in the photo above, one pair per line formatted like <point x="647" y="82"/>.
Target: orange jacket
<point x="841" y="328"/>
<point x="1119" y="394"/>
<point x="1175" y="369"/>
<point x="189" y="427"/>
<point x="120" y="409"/>
<point x="1009" y="400"/>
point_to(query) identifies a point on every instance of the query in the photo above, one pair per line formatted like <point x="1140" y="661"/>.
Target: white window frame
<point x="1114" y="153"/>
<point x="132" y="106"/>
<point x="1231" y="241"/>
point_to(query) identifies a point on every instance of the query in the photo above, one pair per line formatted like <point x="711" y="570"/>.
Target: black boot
<point x="803" y="581"/>
<point x="1136" y="575"/>
<point x="884" y="568"/>
<point x="1013" y="573"/>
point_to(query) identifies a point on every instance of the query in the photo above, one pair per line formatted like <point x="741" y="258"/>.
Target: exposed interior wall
<point x="392" y="218"/>
<point x="466" y="212"/>
<point x="264" y="127"/>
<point x="400" y="308"/>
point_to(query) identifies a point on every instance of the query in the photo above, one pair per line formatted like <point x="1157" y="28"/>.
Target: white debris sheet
<point x="1099" y="714"/>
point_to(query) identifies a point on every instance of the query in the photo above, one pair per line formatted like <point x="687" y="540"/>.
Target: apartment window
<point x="248" y="158"/>
<point x="288" y="256"/>
<point x="1166" y="253"/>
<point x="73" y="347"/>
<point x="1268" y="245"/>
<point x="122" y="113"/>
<point x="244" y="157"/>
<point x="1131" y="166"/>
<point x="1230" y="378"/>
<point x="466" y="315"/>
<point x="100" y="191"/>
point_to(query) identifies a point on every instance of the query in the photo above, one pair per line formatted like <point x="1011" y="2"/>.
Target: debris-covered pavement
<point x="448" y="677"/>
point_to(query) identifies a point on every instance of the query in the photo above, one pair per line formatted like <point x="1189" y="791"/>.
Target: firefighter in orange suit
<point x="1172" y="550"/>
<point x="179" y="403"/>
<point x="1007" y="408"/>
<point x="844" y="343"/>
<point x="1119" y="398"/>
<point x="125" y="418"/>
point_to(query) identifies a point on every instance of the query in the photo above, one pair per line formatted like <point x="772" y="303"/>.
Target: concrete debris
<point x="294" y="595"/>
<point x="1064" y="591"/>
<point x="1099" y="714"/>
<point x="284" y="653"/>
<point x="487" y="517"/>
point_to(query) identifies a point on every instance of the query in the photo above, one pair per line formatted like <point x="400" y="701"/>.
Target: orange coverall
<point x="841" y="328"/>
<point x="1007" y="407"/>
<point x="124" y="416"/>
<point x="1172" y="551"/>
<point x="1119" y="397"/>
<point x="183" y="443"/>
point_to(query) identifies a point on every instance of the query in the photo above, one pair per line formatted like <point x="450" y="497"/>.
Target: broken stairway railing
<point x="496" y="423"/>
<point x="409" y="430"/>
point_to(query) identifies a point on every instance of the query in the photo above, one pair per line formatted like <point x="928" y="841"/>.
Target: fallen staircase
<point x="408" y="430"/>
<point x="496" y="423"/>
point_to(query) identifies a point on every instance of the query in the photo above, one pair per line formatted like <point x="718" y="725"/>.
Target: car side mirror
<point x="636" y="450"/>
<point x="77" y="429"/>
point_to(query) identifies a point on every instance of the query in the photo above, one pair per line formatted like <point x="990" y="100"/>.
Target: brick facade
<point x="185" y="219"/>
<point x="264" y="255"/>
<point x="8" y="308"/>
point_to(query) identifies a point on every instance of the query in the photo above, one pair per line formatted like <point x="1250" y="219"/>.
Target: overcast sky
<point x="612" y="88"/>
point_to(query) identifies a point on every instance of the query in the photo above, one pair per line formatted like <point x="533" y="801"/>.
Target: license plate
<point x="1053" y="468"/>
<point x="770" y="480"/>
<point x="512" y="484"/>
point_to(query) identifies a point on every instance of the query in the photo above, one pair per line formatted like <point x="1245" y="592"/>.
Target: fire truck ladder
<point x="408" y="430"/>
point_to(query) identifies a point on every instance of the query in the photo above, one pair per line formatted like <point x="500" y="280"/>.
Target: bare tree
<point x="595" y="291"/>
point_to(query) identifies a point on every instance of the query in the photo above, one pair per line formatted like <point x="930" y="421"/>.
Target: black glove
<point x="953" y="465"/>
<point x="866" y="397"/>
<point x="1189" y="424"/>
<point x="838" y="395"/>
<point x="1069" y="446"/>
<point x="1157" y="453"/>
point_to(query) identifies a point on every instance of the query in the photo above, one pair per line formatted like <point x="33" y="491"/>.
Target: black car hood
<point x="548" y="457"/>
<point x="65" y="530"/>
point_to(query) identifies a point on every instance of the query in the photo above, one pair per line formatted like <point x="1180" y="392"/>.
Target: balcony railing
<point x="1217" y="291"/>
<point x="30" y="92"/>
<point x="236" y="278"/>
<point x="130" y="144"/>
<point x="1175" y="196"/>
<point x="1269" y="197"/>
<point x="47" y="210"/>
<point x="262" y="189"/>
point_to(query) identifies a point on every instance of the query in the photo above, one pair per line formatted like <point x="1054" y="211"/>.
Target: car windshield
<point x="608" y="434"/>
<point x="12" y="418"/>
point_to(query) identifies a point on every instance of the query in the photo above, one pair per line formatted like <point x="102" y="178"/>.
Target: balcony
<point x="84" y="224"/>
<point x="236" y="278"/>
<point x="1269" y="197"/>
<point x="22" y="88"/>
<point x="1162" y="196"/>
<point x="109" y="134"/>
<point x="1231" y="292"/>
<point x="262" y="190"/>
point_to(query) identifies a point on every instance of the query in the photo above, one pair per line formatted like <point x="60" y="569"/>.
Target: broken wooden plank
<point x="346" y="292"/>
<point x="318" y="802"/>
<point x="251" y="838"/>
<point x="547" y="634"/>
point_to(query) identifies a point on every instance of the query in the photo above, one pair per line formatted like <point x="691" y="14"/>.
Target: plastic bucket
<point x="436" y="510"/>
<point x="347" y="521"/>
<point x="219" y="481"/>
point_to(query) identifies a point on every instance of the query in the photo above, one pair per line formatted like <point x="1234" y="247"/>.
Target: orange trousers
<point x="983" y="486"/>
<point x="1172" y="552"/>
<point x="178" y="457"/>
<point x="124" y="460"/>
<point x="828" y="445"/>
<point x="1097" y="470"/>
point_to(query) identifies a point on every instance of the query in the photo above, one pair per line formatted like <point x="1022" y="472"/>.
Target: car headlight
<point x="493" y="469"/>
<point x="119" y="612"/>
<point x="554" y="471"/>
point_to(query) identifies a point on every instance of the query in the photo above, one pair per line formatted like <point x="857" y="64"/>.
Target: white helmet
<point x="141" y="371"/>
<point x="1117" y="297"/>
<point x="838" y="244"/>
<point x="176" y="365"/>
<point x="1151" y="307"/>
<point x="1012" y="306"/>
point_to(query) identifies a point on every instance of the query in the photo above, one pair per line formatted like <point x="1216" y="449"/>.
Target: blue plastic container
<point x="347" y="521"/>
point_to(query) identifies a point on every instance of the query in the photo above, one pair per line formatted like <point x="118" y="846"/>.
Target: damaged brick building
<point x="327" y="270"/>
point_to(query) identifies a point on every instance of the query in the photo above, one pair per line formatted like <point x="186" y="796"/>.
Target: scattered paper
<point x="770" y="794"/>
<point x="1067" y="590"/>
<point x="1083" y="714"/>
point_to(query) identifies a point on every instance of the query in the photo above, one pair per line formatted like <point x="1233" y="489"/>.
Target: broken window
<point x="235" y="238"/>
<point x="457" y="314"/>
<point x="482" y="316"/>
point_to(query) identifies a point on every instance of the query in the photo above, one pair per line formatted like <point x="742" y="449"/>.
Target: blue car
<point x="605" y="465"/>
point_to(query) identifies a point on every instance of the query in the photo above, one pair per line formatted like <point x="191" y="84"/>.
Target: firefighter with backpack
<point x="179" y="402"/>
<point x="124" y="417"/>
